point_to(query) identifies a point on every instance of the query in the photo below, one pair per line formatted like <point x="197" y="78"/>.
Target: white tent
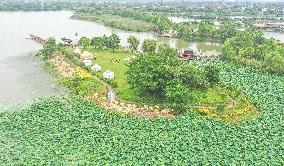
<point x="87" y="62"/>
<point x="96" y="68"/>
<point x="77" y="50"/>
<point x="108" y="74"/>
<point x="86" y="55"/>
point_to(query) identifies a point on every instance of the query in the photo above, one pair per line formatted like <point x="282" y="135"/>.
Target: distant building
<point x="108" y="74"/>
<point x="136" y="8"/>
<point x="264" y="10"/>
<point x="67" y="42"/>
<point x="188" y="54"/>
<point x="96" y="68"/>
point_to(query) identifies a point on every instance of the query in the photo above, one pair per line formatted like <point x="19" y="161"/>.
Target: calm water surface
<point x="22" y="78"/>
<point x="275" y="35"/>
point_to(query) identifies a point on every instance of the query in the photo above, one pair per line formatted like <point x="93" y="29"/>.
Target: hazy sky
<point x="186" y="0"/>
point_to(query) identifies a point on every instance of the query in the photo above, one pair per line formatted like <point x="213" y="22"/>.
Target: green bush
<point x="212" y="73"/>
<point x="251" y="48"/>
<point x="164" y="76"/>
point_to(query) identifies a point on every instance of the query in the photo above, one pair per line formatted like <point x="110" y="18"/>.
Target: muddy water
<point x="276" y="35"/>
<point x="22" y="78"/>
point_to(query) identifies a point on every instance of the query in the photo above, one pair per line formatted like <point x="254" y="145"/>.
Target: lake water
<point x="276" y="35"/>
<point x="22" y="78"/>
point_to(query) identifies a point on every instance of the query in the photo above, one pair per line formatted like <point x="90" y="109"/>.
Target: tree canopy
<point x="84" y="42"/>
<point x="114" y="41"/>
<point x="104" y="42"/>
<point x="149" y="46"/>
<point x="226" y="30"/>
<point x="251" y="48"/>
<point x="133" y="43"/>
<point x="204" y="31"/>
<point x="50" y="47"/>
<point x="97" y="42"/>
<point x="164" y="75"/>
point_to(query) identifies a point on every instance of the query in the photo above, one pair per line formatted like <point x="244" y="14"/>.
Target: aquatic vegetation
<point x="53" y="131"/>
<point x="115" y="21"/>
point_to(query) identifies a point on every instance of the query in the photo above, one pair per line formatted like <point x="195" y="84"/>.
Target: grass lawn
<point x="109" y="61"/>
<point x="217" y="101"/>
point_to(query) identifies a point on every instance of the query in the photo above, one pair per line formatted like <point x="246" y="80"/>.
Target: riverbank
<point x="115" y="21"/>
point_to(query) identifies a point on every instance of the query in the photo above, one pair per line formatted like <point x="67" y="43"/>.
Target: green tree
<point x="163" y="23"/>
<point x="50" y="47"/>
<point x="251" y="48"/>
<point x="133" y="43"/>
<point x="251" y="11"/>
<point x="226" y="30"/>
<point x="178" y="94"/>
<point x="105" y="41"/>
<point x="113" y="41"/>
<point x="155" y="74"/>
<point x="84" y="42"/>
<point x="184" y="32"/>
<point x="212" y="74"/>
<point x="275" y="62"/>
<point x="204" y="31"/>
<point x="97" y="42"/>
<point x="166" y="49"/>
<point x="149" y="46"/>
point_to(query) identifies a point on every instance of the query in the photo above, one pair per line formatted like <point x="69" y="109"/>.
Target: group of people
<point x="116" y="60"/>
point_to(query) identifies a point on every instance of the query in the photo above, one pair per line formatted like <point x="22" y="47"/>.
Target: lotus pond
<point x="54" y="131"/>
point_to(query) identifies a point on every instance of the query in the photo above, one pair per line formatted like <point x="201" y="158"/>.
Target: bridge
<point x="38" y="39"/>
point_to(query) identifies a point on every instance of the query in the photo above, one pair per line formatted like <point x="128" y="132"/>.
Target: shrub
<point x="212" y="74"/>
<point x="149" y="46"/>
<point x="161" y="74"/>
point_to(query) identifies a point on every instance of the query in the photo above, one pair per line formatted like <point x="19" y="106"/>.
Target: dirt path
<point x="62" y="67"/>
<point x="151" y="112"/>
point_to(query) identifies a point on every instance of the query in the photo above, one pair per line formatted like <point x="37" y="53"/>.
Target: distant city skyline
<point x="142" y="0"/>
